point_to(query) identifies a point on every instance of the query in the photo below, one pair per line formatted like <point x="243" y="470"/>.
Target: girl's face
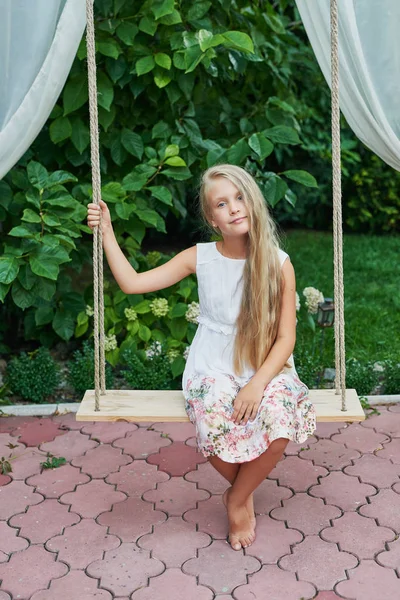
<point x="227" y="205"/>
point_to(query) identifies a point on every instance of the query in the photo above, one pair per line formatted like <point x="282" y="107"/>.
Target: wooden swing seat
<point x="169" y="405"/>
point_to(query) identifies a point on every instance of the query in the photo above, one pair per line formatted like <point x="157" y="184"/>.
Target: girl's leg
<point x="227" y="470"/>
<point x="249" y="477"/>
<point x="230" y="471"/>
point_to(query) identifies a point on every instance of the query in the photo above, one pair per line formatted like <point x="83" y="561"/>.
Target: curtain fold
<point x="369" y="55"/>
<point x="38" y="43"/>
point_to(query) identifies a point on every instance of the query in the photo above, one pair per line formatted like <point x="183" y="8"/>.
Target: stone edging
<point x="41" y="410"/>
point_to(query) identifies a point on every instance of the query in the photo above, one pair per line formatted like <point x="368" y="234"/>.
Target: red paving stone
<point x="136" y="513"/>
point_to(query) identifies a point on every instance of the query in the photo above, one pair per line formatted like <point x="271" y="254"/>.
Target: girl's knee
<point x="279" y="445"/>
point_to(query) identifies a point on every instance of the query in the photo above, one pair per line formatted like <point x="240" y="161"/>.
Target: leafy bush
<point x="148" y="373"/>
<point x="361" y="376"/>
<point x="34" y="376"/>
<point x="81" y="370"/>
<point x="392" y="377"/>
<point x="308" y="367"/>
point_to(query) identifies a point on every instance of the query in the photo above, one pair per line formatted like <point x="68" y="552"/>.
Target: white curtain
<point x="38" y="43"/>
<point x="369" y="55"/>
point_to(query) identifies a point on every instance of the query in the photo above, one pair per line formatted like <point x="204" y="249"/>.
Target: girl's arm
<point x="129" y="280"/>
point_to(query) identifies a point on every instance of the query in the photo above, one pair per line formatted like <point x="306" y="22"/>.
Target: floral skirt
<point x="285" y="412"/>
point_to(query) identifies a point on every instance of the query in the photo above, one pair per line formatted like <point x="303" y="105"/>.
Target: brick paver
<point x="136" y="513"/>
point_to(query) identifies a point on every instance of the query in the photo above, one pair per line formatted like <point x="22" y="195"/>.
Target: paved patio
<point x="137" y="513"/>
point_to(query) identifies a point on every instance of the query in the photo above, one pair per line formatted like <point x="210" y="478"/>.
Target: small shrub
<point x="308" y="368"/>
<point x="391" y="380"/>
<point x="33" y="376"/>
<point x="81" y="370"/>
<point x="361" y="376"/>
<point x="148" y="373"/>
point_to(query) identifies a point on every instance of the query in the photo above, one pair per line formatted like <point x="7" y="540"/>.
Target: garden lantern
<point x="326" y="313"/>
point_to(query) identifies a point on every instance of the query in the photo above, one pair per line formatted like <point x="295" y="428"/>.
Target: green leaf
<point x="80" y="136"/>
<point x="60" y="129"/>
<point x="142" y="307"/>
<point x="105" y="91"/>
<point x="108" y="47"/>
<point x="75" y="93"/>
<point x="113" y="192"/>
<point x="46" y="260"/>
<point x="178" y="327"/>
<point x="171" y="150"/>
<point x="175" y="161"/>
<point x="133" y="143"/>
<point x="4" y="289"/>
<point x="161" y="130"/>
<point x="161" y="78"/>
<point x="163" y="60"/>
<point x="193" y="56"/>
<point x="22" y="298"/>
<point x="44" y="315"/>
<point x="198" y="10"/>
<point x="178" y="366"/>
<point x="238" y="152"/>
<point x="59" y="178"/>
<point x="301" y="177"/>
<point x="51" y="221"/>
<point x="9" y="268"/>
<point x="144" y="65"/>
<point x="148" y="25"/>
<point x="275" y="189"/>
<point x="161" y="193"/>
<point x="172" y="19"/>
<point x="64" y="324"/>
<point x="178" y="173"/>
<point x="280" y="134"/>
<point x="208" y="40"/>
<point x="133" y="182"/>
<point x="144" y="332"/>
<point x="44" y="288"/>
<point x="21" y="232"/>
<point x="124" y="210"/>
<point x="73" y="302"/>
<point x="148" y="216"/>
<point x="127" y="32"/>
<point x="26" y="278"/>
<point x="261" y="146"/>
<point x="37" y="174"/>
<point x="238" y="40"/>
<point x="178" y="310"/>
<point x="107" y="117"/>
<point x="161" y="8"/>
<point x="112" y="356"/>
<point x="30" y="216"/>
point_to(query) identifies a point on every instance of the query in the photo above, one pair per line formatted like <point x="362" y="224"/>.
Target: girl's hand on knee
<point x="247" y="402"/>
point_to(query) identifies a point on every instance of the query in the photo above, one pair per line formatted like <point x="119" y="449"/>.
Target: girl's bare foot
<point x="249" y="506"/>
<point x="241" y="532"/>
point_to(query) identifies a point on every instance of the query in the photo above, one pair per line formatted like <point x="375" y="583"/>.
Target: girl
<point x="241" y="388"/>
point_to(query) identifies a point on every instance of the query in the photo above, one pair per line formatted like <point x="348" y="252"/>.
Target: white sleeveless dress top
<point x="220" y="286"/>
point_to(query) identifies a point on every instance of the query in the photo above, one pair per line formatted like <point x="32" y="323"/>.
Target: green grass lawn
<point x="371" y="290"/>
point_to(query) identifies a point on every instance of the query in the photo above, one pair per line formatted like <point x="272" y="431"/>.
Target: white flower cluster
<point x="186" y="352"/>
<point x="297" y="301"/>
<point x="153" y="258"/>
<point x="192" y="312"/>
<point x="154" y="350"/>
<point x="159" y="307"/>
<point x="172" y="353"/>
<point x="89" y="310"/>
<point x="110" y="342"/>
<point x="313" y="297"/>
<point x="130" y="314"/>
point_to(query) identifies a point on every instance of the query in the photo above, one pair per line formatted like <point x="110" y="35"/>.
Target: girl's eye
<point x="240" y="197"/>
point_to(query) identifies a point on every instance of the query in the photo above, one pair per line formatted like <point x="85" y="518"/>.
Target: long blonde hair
<point x="258" y="319"/>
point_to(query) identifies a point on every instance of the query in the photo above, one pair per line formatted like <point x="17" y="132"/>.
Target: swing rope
<point x="340" y="365"/>
<point x="98" y="290"/>
<point x="98" y="293"/>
